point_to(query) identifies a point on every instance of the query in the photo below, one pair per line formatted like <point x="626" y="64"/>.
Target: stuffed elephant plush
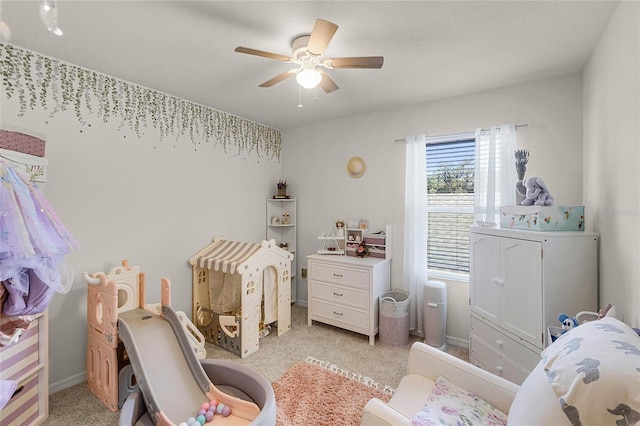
<point x="537" y="193"/>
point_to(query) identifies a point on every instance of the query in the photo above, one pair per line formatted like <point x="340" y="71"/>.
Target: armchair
<point x="425" y="365"/>
<point x="599" y="358"/>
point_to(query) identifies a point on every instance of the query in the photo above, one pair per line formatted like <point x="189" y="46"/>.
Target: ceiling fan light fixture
<point x="49" y="16"/>
<point x="308" y="76"/>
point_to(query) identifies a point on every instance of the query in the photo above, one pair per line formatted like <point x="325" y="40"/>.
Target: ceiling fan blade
<point x="356" y="62"/>
<point x="321" y="35"/>
<point x="262" y="53"/>
<point x="278" y="78"/>
<point x="327" y="84"/>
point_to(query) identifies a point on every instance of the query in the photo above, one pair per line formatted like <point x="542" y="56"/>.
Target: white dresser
<point x="344" y="291"/>
<point x="520" y="281"/>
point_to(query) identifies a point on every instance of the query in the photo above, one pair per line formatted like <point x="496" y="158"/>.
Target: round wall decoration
<point x="356" y="167"/>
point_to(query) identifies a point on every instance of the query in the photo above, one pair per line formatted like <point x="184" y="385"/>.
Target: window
<point x="450" y="184"/>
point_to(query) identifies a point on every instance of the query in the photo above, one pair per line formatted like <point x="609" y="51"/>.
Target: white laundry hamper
<point x="394" y="318"/>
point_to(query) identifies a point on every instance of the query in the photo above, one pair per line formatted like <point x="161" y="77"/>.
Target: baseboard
<point x="68" y="382"/>
<point x="302" y="303"/>
<point x="457" y="342"/>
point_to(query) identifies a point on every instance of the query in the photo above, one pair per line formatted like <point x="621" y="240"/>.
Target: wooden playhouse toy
<point x="109" y="374"/>
<point x="239" y="291"/>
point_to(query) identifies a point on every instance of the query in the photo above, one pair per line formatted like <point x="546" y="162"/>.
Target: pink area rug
<point x="322" y="394"/>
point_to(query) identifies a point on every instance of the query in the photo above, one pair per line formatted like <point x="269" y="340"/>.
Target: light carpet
<point x="317" y="393"/>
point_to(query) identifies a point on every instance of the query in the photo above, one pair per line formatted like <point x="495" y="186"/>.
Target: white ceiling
<point x="432" y="49"/>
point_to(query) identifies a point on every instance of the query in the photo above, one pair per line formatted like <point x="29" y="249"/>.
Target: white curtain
<point x="415" y="226"/>
<point x="495" y="174"/>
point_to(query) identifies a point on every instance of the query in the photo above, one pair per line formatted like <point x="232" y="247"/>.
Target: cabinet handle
<point x="337" y="275"/>
<point x="499" y="342"/>
<point x="337" y="313"/>
<point x="499" y="368"/>
<point x="337" y="294"/>
<point x="498" y="281"/>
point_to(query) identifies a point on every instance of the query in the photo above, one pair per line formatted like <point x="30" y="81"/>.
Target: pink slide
<point x="169" y="375"/>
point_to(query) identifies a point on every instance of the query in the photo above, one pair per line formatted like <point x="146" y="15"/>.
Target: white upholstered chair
<point x="596" y="358"/>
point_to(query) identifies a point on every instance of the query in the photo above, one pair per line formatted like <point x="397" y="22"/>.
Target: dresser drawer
<point x="505" y="345"/>
<point x="489" y="359"/>
<point x="341" y="275"/>
<point x="23" y="357"/>
<point x="341" y="295"/>
<point x="340" y="316"/>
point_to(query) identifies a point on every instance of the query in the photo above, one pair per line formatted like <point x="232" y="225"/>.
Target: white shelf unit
<point x="332" y="244"/>
<point x="284" y="233"/>
<point x="377" y="241"/>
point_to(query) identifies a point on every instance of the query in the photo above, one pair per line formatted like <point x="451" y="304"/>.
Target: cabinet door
<point x="521" y="295"/>
<point x="485" y="275"/>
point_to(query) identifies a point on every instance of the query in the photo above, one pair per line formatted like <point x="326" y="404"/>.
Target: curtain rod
<point x="440" y="136"/>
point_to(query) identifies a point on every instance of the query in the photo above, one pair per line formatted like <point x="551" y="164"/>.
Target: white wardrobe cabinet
<point x="520" y="281"/>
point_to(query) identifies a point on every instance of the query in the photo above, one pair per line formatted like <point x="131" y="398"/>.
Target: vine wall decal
<point x="37" y="79"/>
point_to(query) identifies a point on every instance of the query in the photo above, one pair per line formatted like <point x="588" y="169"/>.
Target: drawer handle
<point x="337" y="275"/>
<point x="499" y="368"/>
<point x="337" y="294"/>
<point x="499" y="342"/>
<point x="17" y="392"/>
<point x="498" y="281"/>
<point x="337" y="313"/>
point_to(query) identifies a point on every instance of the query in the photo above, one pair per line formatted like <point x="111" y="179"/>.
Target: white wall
<point x="314" y="159"/>
<point x="612" y="159"/>
<point x="154" y="203"/>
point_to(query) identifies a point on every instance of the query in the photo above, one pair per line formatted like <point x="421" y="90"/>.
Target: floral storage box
<point x="542" y="218"/>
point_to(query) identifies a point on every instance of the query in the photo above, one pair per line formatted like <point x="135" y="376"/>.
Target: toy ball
<point x="567" y="322"/>
<point x="226" y="411"/>
<point x="209" y="415"/>
<point x="220" y="408"/>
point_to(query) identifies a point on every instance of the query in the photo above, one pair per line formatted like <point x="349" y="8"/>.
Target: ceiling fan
<point x="308" y="56"/>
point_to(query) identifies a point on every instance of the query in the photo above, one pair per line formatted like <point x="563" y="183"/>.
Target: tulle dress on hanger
<point x="33" y="243"/>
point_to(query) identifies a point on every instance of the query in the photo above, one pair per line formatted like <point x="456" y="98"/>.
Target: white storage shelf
<point x="378" y="242"/>
<point x="284" y="233"/>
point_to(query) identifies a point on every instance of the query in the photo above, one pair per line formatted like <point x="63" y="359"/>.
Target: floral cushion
<point x="449" y="404"/>
<point x="594" y="370"/>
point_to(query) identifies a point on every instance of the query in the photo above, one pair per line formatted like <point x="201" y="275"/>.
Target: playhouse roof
<point x="229" y="256"/>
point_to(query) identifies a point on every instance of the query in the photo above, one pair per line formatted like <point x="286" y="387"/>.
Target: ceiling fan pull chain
<point x="300" y="97"/>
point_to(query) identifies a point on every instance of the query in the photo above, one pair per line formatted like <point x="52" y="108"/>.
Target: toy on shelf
<point x="569" y="323"/>
<point x="109" y="374"/>
<point x="537" y="193"/>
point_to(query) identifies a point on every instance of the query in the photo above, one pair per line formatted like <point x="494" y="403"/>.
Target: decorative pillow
<point x="594" y="370"/>
<point x="449" y="404"/>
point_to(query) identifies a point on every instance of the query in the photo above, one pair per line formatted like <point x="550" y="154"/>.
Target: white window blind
<point x="450" y="185"/>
